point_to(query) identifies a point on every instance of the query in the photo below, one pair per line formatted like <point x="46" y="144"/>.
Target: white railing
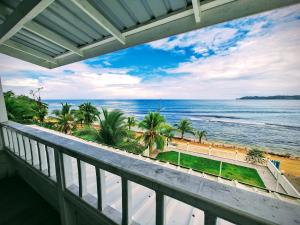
<point x="66" y="163"/>
<point x="282" y="180"/>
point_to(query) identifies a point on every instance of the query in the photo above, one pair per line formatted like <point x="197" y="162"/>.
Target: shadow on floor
<point x="21" y="205"/>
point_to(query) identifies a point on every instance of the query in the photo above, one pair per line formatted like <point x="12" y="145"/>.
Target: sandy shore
<point x="289" y="165"/>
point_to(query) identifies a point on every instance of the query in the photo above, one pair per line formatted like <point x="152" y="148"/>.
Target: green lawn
<point x="229" y="171"/>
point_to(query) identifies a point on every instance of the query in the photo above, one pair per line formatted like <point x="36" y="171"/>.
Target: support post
<point x="3" y="112"/>
<point x="66" y="214"/>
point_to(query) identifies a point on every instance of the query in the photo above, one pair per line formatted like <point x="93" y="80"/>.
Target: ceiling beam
<point x="86" y="7"/>
<point x="22" y="48"/>
<point x="25" y="12"/>
<point x="25" y="57"/>
<point x="197" y="10"/>
<point x="52" y="36"/>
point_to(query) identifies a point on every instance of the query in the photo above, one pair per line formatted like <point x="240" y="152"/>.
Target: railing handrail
<point x="227" y="202"/>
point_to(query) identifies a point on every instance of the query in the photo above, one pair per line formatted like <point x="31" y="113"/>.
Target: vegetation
<point x="113" y="132"/>
<point x="64" y="119"/>
<point x="112" y="128"/>
<point x="89" y="113"/>
<point x="131" y="122"/>
<point x="184" y="126"/>
<point x="200" y="134"/>
<point x="229" y="171"/>
<point x="23" y="109"/>
<point x="168" y="131"/>
<point x="87" y="133"/>
<point x="152" y="137"/>
<point x="255" y="156"/>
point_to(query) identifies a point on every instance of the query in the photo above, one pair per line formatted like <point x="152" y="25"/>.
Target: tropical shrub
<point x="255" y="156"/>
<point x="23" y="109"/>
<point x="87" y="133"/>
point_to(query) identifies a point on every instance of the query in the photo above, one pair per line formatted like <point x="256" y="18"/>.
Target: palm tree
<point x="200" y="134"/>
<point x="65" y="119"/>
<point x="152" y="124"/>
<point x="184" y="126"/>
<point x="131" y="122"/>
<point x="78" y="116"/>
<point x="113" y="129"/>
<point x="168" y="131"/>
<point x="89" y="112"/>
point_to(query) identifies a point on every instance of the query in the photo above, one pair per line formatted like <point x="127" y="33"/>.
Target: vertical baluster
<point x="160" y="208"/>
<point x="100" y="176"/>
<point x="25" y="152"/>
<point x="18" y="143"/>
<point x="82" y="178"/>
<point x="51" y="162"/>
<point x="79" y="178"/>
<point x="31" y="152"/>
<point x="12" y="141"/>
<point x="126" y="201"/>
<point x="48" y="161"/>
<point x="39" y="155"/>
<point x="210" y="219"/>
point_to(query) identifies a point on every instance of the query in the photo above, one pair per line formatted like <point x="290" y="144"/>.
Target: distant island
<point x="275" y="97"/>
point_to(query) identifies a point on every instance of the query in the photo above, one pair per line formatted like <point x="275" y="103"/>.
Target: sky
<point x="257" y="55"/>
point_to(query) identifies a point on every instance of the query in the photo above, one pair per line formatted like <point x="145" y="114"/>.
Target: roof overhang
<point x="53" y="33"/>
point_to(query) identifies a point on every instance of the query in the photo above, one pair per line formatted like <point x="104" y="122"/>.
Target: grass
<point x="229" y="171"/>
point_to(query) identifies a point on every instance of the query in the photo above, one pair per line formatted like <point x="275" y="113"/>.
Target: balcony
<point x="93" y="184"/>
<point x="108" y="186"/>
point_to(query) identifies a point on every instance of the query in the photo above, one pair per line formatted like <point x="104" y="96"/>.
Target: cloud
<point x="257" y="55"/>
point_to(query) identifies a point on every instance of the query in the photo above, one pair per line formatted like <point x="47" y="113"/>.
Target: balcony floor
<point x="20" y="204"/>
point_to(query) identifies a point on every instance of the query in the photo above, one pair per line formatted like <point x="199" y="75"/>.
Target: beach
<point x="289" y="165"/>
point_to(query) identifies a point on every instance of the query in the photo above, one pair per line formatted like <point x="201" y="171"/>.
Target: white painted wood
<point x="99" y="19"/>
<point x="197" y="10"/>
<point x="83" y="178"/>
<point x="22" y="48"/>
<point x="103" y="189"/>
<point x="25" y="56"/>
<point x="68" y="170"/>
<point x="25" y="12"/>
<point x="52" y="36"/>
<point x="3" y="113"/>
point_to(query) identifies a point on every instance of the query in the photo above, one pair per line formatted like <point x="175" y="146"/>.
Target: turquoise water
<point x="273" y="125"/>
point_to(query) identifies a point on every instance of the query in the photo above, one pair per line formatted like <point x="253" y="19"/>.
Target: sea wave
<point x="241" y="121"/>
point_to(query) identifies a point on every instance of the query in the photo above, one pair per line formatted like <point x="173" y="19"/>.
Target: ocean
<point x="272" y="125"/>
